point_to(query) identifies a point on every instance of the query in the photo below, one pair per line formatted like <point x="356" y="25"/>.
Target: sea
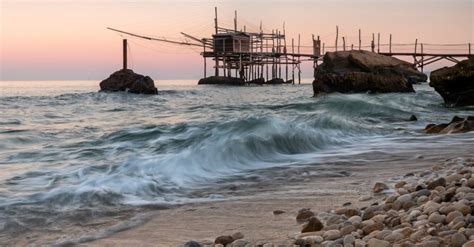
<point x="75" y="158"/>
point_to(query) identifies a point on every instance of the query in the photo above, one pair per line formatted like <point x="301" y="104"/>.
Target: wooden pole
<point x="124" y="44"/>
<point x="372" y="45"/>
<point x="273" y="55"/>
<point x="293" y="63"/>
<point x="235" y="21"/>
<point x="414" y="55"/>
<point x="352" y="47"/>
<point x="299" y="69"/>
<point x="378" y="43"/>
<point x="416" y="45"/>
<point x="360" y="40"/>
<point x="323" y="49"/>
<point x="390" y="44"/>
<point x="266" y="50"/>
<point x="286" y="56"/>
<point x="279" y="54"/>
<point x="469" y="49"/>
<point x="223" y="58"/>
<point x="343" y="43"/>
<point x="337" y="35"/>
<point x="216" y="73"/>
<point x="205" y="60"/>
<point x="422" y="58"/>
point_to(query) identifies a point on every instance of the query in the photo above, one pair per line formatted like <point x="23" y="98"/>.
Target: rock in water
<point x="455" y="84"/>
<point x="363" y="71"/>
<point x="127" y="80"/>
<point x="457" y="125"/>
<point x="222" y="80"/>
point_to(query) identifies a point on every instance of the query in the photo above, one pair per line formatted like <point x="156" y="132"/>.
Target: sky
<point x="68" y="39"/>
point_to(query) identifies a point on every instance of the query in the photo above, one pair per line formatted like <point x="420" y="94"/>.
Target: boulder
<point x="129" y="81"/>
<point x="455" y="84"/>
<point x="222" y="80"/>
<point x="457" y="125"/>
<point x="364" y="71"/>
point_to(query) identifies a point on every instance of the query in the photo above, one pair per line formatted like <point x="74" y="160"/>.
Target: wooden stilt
<point x="390" y="44"/>
<point x="372" y="45"/>
<point x="378" y="42"/>
<point x="205" y="59"/>
<point x="360" y="39"/>
<point x="299" y="63"/>
<point x="337" y="35"/>
<point x="216" y="59"/>
<point x="124" y="46"/>
<point x="293" y="63"/>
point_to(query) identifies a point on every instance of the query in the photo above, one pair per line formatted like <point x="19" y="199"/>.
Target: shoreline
<point x="254" y="217"/>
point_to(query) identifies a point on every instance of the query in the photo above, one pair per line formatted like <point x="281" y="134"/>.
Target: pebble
<point x="378" y="243"/>
<point x="278" y="212"/>
<point x="313" y="225"/>
<point x="452" y="215"/>
<point x="400" y="184"/>
<point x="240" y="243"/>
<point x="379" y="187"/>
<point x="458" y="239"/>
<point x="469" y="244"/>
<point x="224" y="240"/>
<point x="347" y="229"/>
<point x="359" y="243"/>
<point x="430" y="243"/>
<point x="349" y="240"/>
<point x="237" y="235"/>
<point x="192" y="244"/>
<point x="332" y="235"/>
<point x="304" y="214"/>
<point x="470" y="183"/>
<point x="436" y="218"/>
<point x="370" y="228"/>
<point x="437" y="182"/>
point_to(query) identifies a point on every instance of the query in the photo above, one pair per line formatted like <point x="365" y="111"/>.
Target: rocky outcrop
<point x="363" y="71"/>
<point x="455" y="84"/>
<point x="222" y="80"/>
<point x="129" y="81"/>
<point x="457" y="125"/>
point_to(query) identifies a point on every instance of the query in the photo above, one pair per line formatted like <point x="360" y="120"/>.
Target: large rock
<point x="222" y="80"/>
<point x="457" y="125"/>
<point x="455" y="84"/>
<point x="127" y="80"/>
<point x="364" y="71"/>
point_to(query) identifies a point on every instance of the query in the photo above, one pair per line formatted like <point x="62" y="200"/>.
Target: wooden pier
<point x="264" y="56"/>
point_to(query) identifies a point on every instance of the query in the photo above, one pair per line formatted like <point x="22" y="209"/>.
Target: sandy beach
<point x="253" y="215"/>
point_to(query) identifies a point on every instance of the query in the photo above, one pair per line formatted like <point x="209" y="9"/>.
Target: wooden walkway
<point x="260" y="55"/>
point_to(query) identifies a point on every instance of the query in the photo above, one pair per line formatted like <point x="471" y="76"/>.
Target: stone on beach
<point x="313" y="225"/>
<point x="304" y="214"/>
<point x="224" y="240"/>
<point x="129" y="81"/>
<point x="379" y="187"/>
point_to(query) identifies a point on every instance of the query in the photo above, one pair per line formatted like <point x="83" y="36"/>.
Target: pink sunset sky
<point x="68" y="40"/>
